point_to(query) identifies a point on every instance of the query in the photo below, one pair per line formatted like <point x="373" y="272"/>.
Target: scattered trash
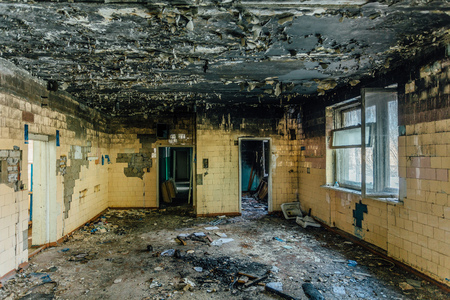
<point x="211" y="228"/>
<point x="221" y="234"/>
<point x="415" y="283"/>
<point x="190" y="251"/>
<point x="275" y="285"/>
<point x="51" y="269"/>
<point x="351" y="263"/>
<point x="119" y="280"/>
<point x="277" y="289"/>
<point x="169" y="252"/>
<point x="364" y="274"/>
<point x="199" y="234"/>
<point x="275" y="269"/>
<point x="311" y="291"/>
<point x="306" y="221"/>
<point x="46" y="279"/>
<point x="158" y="269"/>
<point x="221" y="241"/>
<point x="243" y="279"/>
<point x="63" y="250"/>
<point x="180" y="241"/>
<point x="339" y="290"/>
<point x="155" y="284"/>
<point x="287" y="247"/>
<point x="405" y="286"/>
<point x="291" y="210"/>
<point x="183" y="235"/>
<point x="198" y="269"/>
<point x="216" y="222"/>
<point x="278" y="239"/>
<point x="189" y="282"/>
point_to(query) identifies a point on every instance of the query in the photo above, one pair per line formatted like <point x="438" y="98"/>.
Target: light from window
<point x="380" y="123"/>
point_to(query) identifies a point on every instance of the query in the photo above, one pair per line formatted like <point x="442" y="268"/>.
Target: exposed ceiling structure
<point x="134" y="57"/>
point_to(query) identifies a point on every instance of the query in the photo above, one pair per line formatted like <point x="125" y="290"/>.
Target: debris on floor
<point x="258" y="258"/>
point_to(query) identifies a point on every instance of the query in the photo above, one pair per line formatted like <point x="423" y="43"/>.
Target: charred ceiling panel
<point x="127" y="58"/>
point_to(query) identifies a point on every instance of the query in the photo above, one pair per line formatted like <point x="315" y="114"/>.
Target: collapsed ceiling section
<point x="140" y="57"/>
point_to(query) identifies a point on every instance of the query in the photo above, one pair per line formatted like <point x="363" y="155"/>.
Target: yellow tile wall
<point x="133" y="191"/>
<point x="219" y="192"/>
<point x="419" y="231"/>
<point x="14" y="101"/>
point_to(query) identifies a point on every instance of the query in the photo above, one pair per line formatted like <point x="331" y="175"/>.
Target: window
<point x="372" y="166"/>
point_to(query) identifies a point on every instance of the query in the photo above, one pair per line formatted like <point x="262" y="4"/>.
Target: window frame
<point x="359" y="103"/>
<point x="395" y="194"/>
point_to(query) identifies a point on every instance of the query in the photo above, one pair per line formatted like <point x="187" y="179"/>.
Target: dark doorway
<point x="175" y="179"/>
<point x="254" y="176"/>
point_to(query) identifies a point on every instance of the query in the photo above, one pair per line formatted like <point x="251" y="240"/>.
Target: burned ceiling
<point x="137" y="57"/>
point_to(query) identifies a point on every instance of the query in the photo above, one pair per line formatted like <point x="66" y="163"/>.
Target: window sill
<point x="356" y="192"/>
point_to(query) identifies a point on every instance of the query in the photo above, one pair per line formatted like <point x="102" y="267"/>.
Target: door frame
<point x="44" y="230"/>
<point x="193" y="168"/>
<point x="269" y="180"/>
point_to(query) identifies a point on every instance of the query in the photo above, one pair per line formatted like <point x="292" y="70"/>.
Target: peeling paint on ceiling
<point x="139" y="57"/>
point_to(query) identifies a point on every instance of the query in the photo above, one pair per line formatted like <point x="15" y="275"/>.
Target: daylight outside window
<point x="372" y="166"/>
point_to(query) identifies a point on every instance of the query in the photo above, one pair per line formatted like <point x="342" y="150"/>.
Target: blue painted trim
<point x="25" y="131"/>
<point x="57" y="138"/>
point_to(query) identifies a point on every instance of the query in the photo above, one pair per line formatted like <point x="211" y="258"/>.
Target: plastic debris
<point x="405" y="286"/>
<point x="221" y="241"/>
<point x="198" y="234"/>
<point x="278" y="239"/>
<point x="221" y="234"/>
<point x="155" y="284"/>
<point x="119" y="280"/>
<point x="216" y="222"/>
<point x="211" y="228"/>
<point x="351" y="263"/>
<point x="64" y="250"/>
<point x="198" y="269"/>
<point x="276" y="286"/>
<point x="339" y="290"/>
<point x="306" y="221"/>
<point x="169" y="252"/>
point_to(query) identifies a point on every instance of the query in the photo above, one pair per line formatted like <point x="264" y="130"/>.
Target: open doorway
<point x="175" y="178"/>
<point x="254" y="177"/>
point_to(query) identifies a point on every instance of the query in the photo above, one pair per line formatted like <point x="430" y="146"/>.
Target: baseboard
<point x="12" y="273"/>
<point x="132" y="207"/>
<point x="61" y="240"/>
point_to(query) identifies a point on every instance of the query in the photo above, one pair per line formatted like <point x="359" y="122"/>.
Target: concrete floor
<point x="120" y="256"/>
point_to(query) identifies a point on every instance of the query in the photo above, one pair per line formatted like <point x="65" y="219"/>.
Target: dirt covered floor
<point x="135" y="254"/>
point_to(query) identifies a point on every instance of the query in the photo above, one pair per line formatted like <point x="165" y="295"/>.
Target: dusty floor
<point x="120" y="256"/>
